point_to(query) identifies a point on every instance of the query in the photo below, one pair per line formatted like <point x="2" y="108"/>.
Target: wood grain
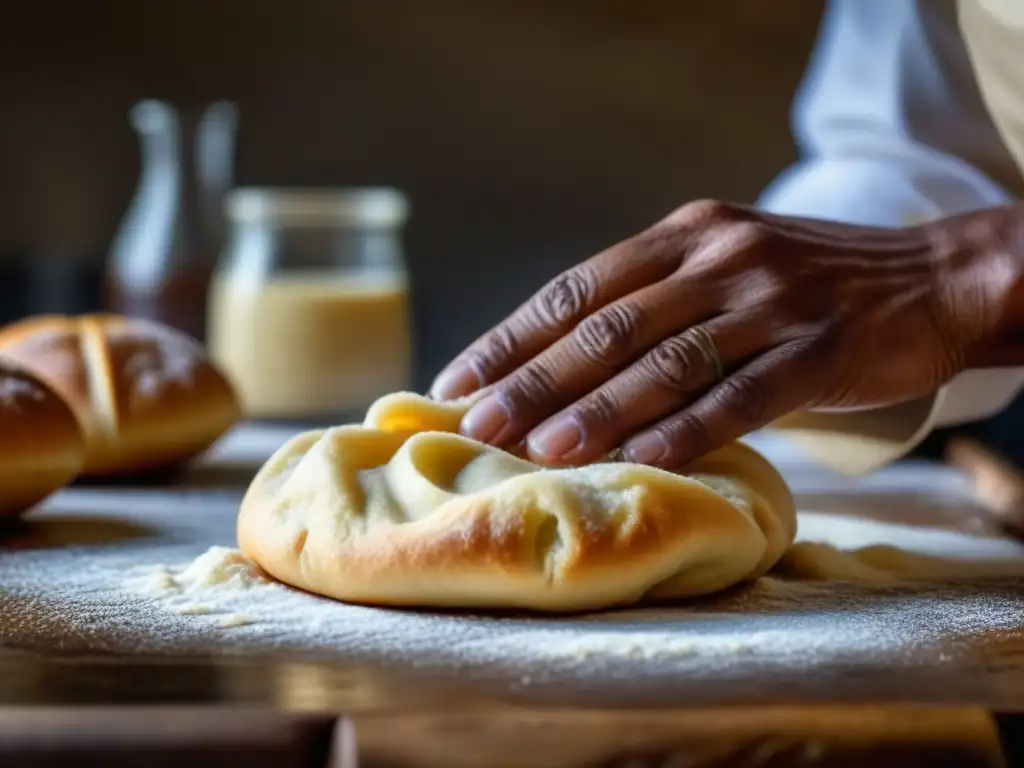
<point x="752" y="737"/>
<point x="197" y="737"/>
<point x="830" y="736"/>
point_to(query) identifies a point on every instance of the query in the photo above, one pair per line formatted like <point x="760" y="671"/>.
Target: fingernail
<point x="646" y="449"/>
<point x="485" y="421"/>
<point x="555" y="439"/>
<point x="455" y="382"/>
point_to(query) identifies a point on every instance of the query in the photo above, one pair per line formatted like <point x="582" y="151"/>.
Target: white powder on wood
<point x="208" y="585"/>
<point x="192" y="609"/>
<point x="120" y="596"/>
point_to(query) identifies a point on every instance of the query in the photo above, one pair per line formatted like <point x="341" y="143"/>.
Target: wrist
<point x="979" y="272"/>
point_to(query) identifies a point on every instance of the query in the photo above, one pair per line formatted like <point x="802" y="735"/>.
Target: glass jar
<point x="309" y="303"/>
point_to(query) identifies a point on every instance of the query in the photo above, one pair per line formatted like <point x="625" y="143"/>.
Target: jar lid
<point x="377" y="207"/>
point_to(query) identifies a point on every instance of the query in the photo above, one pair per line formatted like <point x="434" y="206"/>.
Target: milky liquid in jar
<point x="312" y="344"/>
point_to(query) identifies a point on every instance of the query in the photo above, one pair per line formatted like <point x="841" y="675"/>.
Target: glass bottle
<point x="160" y="261"/>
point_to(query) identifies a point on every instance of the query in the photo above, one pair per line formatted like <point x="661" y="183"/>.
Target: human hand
<point x="719" y="320"/>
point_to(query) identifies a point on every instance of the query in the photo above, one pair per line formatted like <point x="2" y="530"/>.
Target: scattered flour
<point x="173" y="585"/>
<point x="210" y="584"/>
<point x="637" y="645"/>
<point x="222" y="579"/>
<point x="192" y="609"/>
<point x="235" y="620"/>
<point x="172" y="598"/>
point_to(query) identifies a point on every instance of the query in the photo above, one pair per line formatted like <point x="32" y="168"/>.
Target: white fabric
<point x="893" y="132"/>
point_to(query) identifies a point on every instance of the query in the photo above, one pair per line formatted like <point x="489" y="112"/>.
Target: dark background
<point x="527" y="133"/>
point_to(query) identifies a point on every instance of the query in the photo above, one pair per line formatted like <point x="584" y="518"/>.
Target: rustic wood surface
<point x="756" y="738"/>
<point x="198" y="737"/>
<point x="986" y="667"/>
<point x="283" y="711"/>
<point x="853" y="736"/>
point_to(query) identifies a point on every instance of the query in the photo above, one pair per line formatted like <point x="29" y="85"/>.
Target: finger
<point x="595" y="351"/>
<point x="665" y="379"/>
<point x="558" y="307"/>
<point x="783" y="380"/>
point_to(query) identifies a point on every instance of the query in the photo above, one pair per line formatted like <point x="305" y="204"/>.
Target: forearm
<point x="979" y="259"/>
<point x="875" y="156"/>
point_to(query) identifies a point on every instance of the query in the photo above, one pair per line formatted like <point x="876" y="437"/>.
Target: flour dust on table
<point x="202" y="587"/>
<point x="721" y="633"/>
<point x="154" y="571"/>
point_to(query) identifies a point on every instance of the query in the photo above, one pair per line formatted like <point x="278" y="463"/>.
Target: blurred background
<point x="525" y="134"/>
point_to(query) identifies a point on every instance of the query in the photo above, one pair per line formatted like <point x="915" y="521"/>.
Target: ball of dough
<point x="402" y="510"/>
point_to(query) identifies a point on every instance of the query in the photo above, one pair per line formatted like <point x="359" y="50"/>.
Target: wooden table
<point x="255" y="737"/>
<point x="60" y="708"/>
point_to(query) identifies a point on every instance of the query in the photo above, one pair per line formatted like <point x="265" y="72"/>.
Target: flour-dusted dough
<point x="877" y="564"/>
<point x="884" y="564"/>
<point x="402" y="510"/>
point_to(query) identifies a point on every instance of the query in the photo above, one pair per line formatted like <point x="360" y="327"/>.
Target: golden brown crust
<point x="41" y="444"/>
<point x="423" y="516"/>
<point x="146" y="396"/>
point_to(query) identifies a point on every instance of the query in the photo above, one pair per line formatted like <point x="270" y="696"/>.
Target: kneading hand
<point x="720" y="319"/>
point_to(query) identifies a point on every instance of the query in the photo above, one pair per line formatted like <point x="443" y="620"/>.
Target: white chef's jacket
<point x="893" y="131"/>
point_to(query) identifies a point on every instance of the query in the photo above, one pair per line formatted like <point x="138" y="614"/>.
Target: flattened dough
<point x="875" y="552"/>
<point x="402" y="510"/>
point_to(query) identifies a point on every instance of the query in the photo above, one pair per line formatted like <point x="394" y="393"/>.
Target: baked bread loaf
<point x="402" y="510"/>
<point x="41" y="444"/>
<point x="147" y="396"/>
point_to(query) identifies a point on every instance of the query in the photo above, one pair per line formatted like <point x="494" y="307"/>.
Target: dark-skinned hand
<point x="803" y="314"/>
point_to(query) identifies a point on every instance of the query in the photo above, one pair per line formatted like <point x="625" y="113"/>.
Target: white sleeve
<point x="893" y="132"/>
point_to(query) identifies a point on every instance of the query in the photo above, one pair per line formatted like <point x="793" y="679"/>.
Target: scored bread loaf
<point x="147" y="396"/>
<point x="42" y="447"/>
